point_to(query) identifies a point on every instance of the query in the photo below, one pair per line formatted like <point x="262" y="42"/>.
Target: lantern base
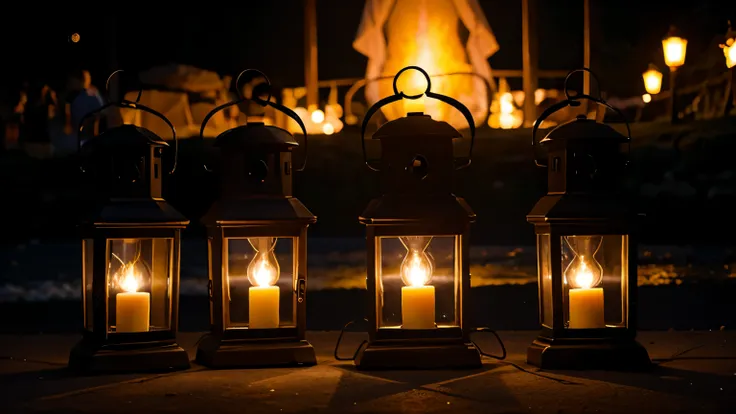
<point x="580" y="354"/>
<point x="216" y="353"/>
<point x="87" y="358"/>
<point x="418" y="356"/>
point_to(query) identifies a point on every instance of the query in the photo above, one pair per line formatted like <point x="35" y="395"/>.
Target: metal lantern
<point x="257" y="235"/>
<point x="417" y="245"/>
<point x="130" y="254"/>
<point x="586" y="248"/>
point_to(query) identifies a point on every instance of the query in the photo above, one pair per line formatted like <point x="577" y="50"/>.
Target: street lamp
<point x="257" y="239"/>
<point x="586" y="248"/>
<point x="652" y="80"/>
<point x="675" y="48"/>
<point x="417" y="243"/>
<point x="130" y="254"/>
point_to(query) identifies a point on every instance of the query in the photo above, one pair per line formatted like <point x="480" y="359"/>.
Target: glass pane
<point x="595" y="273"/>
<point x="545" y="279"/>
<point x="139" y="284"/>
<point x="418" y="282"/>
<point x="260" y="280"/>
<point x="87" y="272"/>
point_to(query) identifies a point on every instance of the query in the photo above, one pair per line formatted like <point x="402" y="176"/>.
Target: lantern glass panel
<point x="595" y="280"/>
<point x="261" y="276"/>
<point x="139" y="284"/>
<point x="544" y="261"/>
<point x="87" y="266"/>
<point x="418" y="282"/>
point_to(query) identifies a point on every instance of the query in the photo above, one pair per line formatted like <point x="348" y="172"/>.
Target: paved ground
<point x="698" y="375"/>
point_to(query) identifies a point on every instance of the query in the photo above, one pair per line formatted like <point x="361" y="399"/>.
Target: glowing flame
<point x="583" y="276"/>
<point x="729" y="51"/>
<point x="129" y="278"/>
<point x="417" y="270"/>
<point x="264" y="273"/>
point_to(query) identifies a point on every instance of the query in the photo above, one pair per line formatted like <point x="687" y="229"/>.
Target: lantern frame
<point x="255" y="212"/>
<point x="577" y="207"/>
<point x="141" y="216"/>
<point x="419" y="203"/>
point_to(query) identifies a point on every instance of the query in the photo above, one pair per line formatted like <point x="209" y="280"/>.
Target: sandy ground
<point x="696" y="373"/>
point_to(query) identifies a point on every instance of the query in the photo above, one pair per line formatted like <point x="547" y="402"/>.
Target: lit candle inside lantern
<point x="263" y="298"/>
<point x="132" y="308"/>
<point x="417" y="300"/>
<point x="586" y="302"/>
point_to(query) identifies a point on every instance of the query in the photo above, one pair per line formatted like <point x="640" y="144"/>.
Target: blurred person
<point x="81" y="98"/>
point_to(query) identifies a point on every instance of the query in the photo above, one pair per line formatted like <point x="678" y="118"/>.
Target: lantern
<point x="257" y="236"/>
<point x="417" y="241"/>
<point x="130" y="255"/>
<point x="675" y="48"/>
<point x="652" y="80"/>
<point x="586" y="249"/>
<point x="729" y="51"/>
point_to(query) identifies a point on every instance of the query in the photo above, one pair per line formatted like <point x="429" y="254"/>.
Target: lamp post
<point x="257" y="237"/>
<point x="417" y="245"/>
<point x="586" y="249"/>
<point x="674" y="48"/>
<point x="652" y="80"/>
<point x="729" y="52"/>
<point x="130" y="254"/>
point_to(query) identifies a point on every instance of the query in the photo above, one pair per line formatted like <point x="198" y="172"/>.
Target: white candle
<point x="132" y="308"/>
<point x="263" y="307"/>
<point x="586" y="308"/>
<point x="417" y="307"/>
<point x="132" y="311"/>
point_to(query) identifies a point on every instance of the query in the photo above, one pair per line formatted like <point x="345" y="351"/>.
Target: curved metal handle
<point x="124" y="103"/>
<point x="574" y="101"/>
<point x="291" y="114"/>
<point x="398" y="95"/>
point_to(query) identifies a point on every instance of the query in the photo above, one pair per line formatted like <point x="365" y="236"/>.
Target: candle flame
<point x="417" y="270"/>
<point x="129" y="278"/>
<point x="263" y="273"/>
<point x="584" y="276"/>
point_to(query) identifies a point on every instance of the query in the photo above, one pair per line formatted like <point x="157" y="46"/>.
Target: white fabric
<point x="481" y="45"/>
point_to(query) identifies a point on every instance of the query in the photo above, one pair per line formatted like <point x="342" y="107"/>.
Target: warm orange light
<point x="129" y="278"/>
<point x="674" y="51"/>
<point x="75" y="37"/>
<point x="652" y="80"/>
<point x="318" y="116"/>
<point x="328" y="129"/>
<point x="646" y="98"/>
<point x="729" y="51"/>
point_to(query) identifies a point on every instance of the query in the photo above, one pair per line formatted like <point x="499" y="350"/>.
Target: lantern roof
<point x="567" y="208"/>
<point x="258" y="210"/>
<point x="255" y="135"/>
<point x="416" y="124"/>
<point x="138" y="212"/>
<point x="447" y="210"/>
<point x="583" y="128"/>
<point x="125" y="136"/>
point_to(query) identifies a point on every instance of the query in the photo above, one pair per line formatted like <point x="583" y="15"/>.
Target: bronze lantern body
<point x="586" y="248"/>
<point x="130" y="255"/>
<point x="417" y="234"/>
<point x="257" y="234"/>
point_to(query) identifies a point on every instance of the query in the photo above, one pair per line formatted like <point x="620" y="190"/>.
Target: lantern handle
<point x="573" y="101"/>
<point x="124" y="103"/>
<point x="287" y="111"/>
<point x="398" y="95"/>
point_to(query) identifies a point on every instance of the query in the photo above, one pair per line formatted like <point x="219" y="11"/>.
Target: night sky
<point x="267" y="35"/>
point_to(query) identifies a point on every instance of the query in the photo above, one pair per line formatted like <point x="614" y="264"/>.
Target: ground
<point x="695" y="373"/>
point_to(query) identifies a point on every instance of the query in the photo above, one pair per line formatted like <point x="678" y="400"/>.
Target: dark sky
<point x="626" y="36"/>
